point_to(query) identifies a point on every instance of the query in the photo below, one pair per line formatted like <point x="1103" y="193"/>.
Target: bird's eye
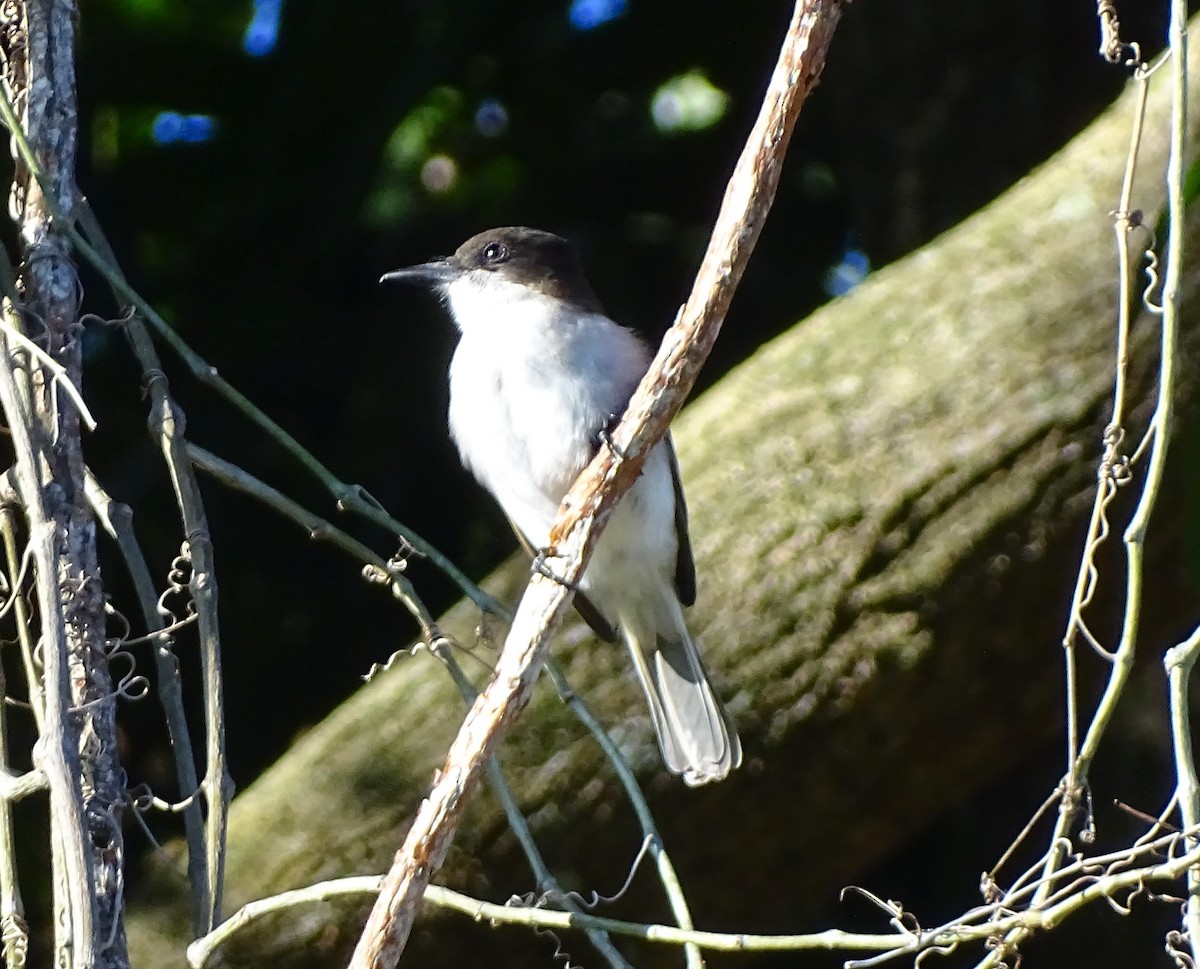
<point x="495" y="252"/>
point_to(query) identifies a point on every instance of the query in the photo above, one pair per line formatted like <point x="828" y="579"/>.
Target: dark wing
<point x="685" y="567"/>
<point x="583" y="605"/>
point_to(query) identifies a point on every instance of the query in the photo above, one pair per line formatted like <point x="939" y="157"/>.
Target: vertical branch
<point x="1180" y="659"/>
<point x="9" y="508"/>
<point x="77" y="750"/>
<point x="1179" y="662"/>
<point x="14" y="935"/>
<point x="1113" y="462"/>
<point x="117" y="520"/>
<point x="1160" y="423"/>
<point x="167" y="424"/>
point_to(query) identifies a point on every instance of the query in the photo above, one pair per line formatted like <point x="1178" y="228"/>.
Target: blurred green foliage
<point x="687" y="102"/>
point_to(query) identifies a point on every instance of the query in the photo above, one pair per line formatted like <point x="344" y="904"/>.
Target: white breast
<point x="531" y="383"/>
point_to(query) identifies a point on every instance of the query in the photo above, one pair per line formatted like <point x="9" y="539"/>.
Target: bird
<point x="538" y="378"/>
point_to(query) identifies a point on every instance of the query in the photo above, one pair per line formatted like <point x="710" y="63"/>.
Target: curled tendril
<point x="178" y="578"/>
<point x="1112" y="48"/>
<point x="898" y="918"/>
<point x="405" y="551"/>
<point x="560" y="953"/>
<point x="14" y="939"/>
<point x="440" y="643"/>
<point x="544" y="899"/>
<point x="140" y="797"/>
<point x="127" y="316"/>
<point x="935" y="950"/>
<point x="1152" y="283"/>
<point x="143" y="800"/>
<point x="130" y="685"/>
<point x="419" y="646"/>
<point x="377" y="669"/>
<point x="1176" y="946"/>
<point x="114" y="643"/>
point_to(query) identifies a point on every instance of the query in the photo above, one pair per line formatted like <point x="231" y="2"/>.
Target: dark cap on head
<point x="540" y="260"/>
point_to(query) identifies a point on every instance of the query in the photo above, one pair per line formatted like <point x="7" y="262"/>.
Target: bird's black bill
<point x="436" y="273"/>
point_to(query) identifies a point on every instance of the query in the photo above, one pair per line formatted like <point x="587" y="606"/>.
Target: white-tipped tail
<point x="697" y="737"/>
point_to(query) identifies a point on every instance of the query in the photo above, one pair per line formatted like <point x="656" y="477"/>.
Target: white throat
<point x="481" y="300"/>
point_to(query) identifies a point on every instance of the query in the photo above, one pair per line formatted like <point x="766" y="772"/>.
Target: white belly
<point x="529" y="391"/>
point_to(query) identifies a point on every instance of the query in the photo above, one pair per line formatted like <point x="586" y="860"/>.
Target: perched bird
<point x="539" y="375"/>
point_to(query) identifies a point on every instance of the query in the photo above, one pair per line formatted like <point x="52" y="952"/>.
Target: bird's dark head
<point x="491" y="263"/>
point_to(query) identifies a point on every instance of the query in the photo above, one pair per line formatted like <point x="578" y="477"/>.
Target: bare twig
<point x="1180" y="660"/>
<point x="321" y="529"/>
<point x="200" y="951"/>
<point x="902" y="942"/>
<point x="1179" y="663"/>
<point x="14" y="786"/>
<point x="318" y="528"/>
<point x="56" y="754"/>
<point x="117" y="520"/>
<point x="1158" y="435"/>
<point x="168" y="422"/>
<point x="586" y="508"/>
<point x="77" y="749"/>
<point x="13" y="556"/>
<point x="1113" y="469"/>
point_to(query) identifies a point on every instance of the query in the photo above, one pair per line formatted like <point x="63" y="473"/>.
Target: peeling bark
<point x="78" y="747"/>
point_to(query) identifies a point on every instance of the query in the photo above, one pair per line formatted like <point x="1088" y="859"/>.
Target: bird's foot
<point x="540" y="566"/>
<point x="604" y="436"/>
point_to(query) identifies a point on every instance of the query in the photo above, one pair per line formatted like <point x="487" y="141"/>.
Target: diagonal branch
<point x="591" y="501"/>
<point x="318" y="528"/>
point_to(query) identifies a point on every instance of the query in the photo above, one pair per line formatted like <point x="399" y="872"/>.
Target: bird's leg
<point x="604" y="436"/>
<point x="540" y="566"/>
